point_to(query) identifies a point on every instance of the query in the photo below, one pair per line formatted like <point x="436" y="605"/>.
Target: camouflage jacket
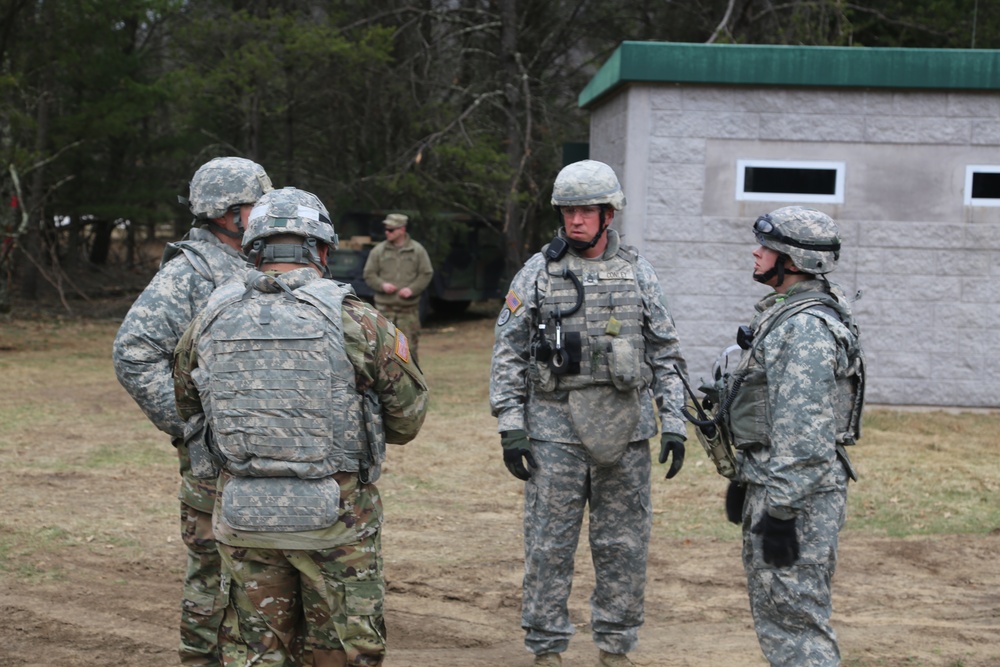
<point x="545" y="416"/>
<point x="144" y="347"/>
<point x="407" y="265"/>
<point x="798" y="367"/>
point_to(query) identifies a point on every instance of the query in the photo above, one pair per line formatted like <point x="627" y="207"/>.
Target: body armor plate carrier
<point x="279" y="394"/>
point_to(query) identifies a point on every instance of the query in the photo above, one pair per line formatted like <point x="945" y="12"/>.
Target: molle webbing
<point x="281" y="396"/>
<point x="611" y="302"/>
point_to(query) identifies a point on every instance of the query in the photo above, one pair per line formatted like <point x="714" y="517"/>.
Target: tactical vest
<point x="279" y="393"/>
<point x="749" y="420"/>
<point x="609" y="322"/>
<point x="208" y="259"/>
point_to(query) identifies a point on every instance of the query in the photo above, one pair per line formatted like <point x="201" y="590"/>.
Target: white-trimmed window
<point x="982" y="185"/>
<point x="807" y="181"/>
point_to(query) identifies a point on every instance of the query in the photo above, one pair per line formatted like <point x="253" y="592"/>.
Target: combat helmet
<point x="586" y="183"/>
<point x="224" y="182"/>
<point x="288" y="211"/>
<point x="809" y="237"/>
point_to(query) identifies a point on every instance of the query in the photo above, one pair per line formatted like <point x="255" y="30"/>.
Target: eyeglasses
<point x="764" y="226"/>
<point x="584" y="211"/>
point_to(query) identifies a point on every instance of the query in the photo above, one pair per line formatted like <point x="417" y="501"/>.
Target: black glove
<point x="515" y="448"/>
<point x="736" y="495"/>
<point x="779" y="541"/>
<point x="669" y="443"/>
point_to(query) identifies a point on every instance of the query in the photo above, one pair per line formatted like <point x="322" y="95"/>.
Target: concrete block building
<point x="900" y="146"/>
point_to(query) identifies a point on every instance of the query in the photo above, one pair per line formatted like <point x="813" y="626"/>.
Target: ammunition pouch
<point x="624" y="364"/>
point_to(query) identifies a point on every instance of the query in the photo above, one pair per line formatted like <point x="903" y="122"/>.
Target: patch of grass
<point x="926" y="473"/>
<point x="123" y="456"/>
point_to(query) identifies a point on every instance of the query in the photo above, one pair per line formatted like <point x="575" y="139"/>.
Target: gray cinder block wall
<point x="927" y="264"/>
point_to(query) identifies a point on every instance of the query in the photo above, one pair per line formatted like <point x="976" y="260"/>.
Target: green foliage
<point x="108" y="106"/>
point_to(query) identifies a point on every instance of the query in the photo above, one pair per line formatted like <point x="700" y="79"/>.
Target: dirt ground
<point x="109" y="595"/>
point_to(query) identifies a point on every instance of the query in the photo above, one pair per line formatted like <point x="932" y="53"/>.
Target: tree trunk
<point x="512" y="227"/>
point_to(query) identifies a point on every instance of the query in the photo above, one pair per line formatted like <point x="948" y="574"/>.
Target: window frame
<point x="970" y="171"/>
<point x="836" y="198"/>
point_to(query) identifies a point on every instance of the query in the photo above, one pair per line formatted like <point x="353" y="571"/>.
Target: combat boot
<point x="614" y="660"/>
<point x="548" y="660"/>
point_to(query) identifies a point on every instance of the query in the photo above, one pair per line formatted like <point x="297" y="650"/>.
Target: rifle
<point x="712" y="433"/>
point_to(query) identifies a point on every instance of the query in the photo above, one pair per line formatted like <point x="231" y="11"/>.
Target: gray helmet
<point x="809" y="237"/>
<point x="586" y="183"/>
<point x="289" y="211"/>
<point x="224" y="182"/>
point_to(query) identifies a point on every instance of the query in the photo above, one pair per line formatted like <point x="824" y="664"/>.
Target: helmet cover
<point x="809" y="237"/>
<point x="226" y="181"/>
<point x="289" y="211"/>
<point x="587" y="183"/>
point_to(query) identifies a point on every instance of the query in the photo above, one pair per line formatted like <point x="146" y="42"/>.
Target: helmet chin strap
<point x="237" y="220"/>
<point x="779" y="269"/>
<point x="583" y="245"/>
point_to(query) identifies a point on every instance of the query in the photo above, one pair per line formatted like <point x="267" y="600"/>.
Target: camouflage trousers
<point x="319" y="607"/>
<point x="406" y="320"/>
<point x="560" y="490"/>
<point x="792" y="606"/>
<point x="203" y="604"/>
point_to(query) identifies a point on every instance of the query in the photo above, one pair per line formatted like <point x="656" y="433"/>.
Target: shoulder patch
<point x="402" y="346"/>
<point x="504" y="317"/>
<point x="513" y="301"/>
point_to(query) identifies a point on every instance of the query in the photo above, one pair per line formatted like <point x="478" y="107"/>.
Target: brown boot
<point x="614" y="660"/>
<point x="548" y="660"/>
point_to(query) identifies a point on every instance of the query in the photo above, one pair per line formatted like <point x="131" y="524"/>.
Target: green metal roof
<point x="769" y="65"/>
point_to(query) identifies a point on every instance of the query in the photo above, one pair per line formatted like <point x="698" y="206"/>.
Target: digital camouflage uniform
<point x="407" y="265"/>
<point x="799" y="473"/>
<point x="315" y="593"/>
<point x="143" y="353"/>
<point x="623" y="292"/>
<point x="796" y="399"/>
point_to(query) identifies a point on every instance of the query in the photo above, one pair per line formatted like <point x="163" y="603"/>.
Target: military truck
<point x="467" y="253"/>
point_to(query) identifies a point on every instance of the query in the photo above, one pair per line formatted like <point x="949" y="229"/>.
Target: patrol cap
<point x="395" y="221"/>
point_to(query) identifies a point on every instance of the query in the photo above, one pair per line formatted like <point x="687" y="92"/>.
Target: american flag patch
<point x="402" y="346"/>
<point x="513" y="301"/>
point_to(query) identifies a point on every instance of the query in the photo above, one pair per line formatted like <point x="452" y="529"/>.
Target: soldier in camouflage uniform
<point x="399" y="270"/>
<point x="300" y="384"/>
<point x="222" y="193"/>
<point x="797" y="399"/>
<point x="585" y="344"/>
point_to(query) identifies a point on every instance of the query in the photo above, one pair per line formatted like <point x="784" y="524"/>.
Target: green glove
<point x="672" y="443"/>
<point x="516" y="447"/>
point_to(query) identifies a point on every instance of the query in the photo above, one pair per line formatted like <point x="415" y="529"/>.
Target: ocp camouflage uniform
<point x="790" y="463"/>
<point x="333" y="572"/>
<point x="143" y="350"/>
<point x="406" y="265"/>
<point x="623" y="299"/>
